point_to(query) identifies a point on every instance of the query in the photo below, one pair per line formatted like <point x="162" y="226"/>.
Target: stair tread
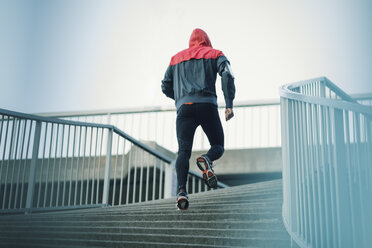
<point x="241" y="216"/>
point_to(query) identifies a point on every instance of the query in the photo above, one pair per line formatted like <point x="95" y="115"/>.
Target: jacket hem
<point x="196" y="99"/>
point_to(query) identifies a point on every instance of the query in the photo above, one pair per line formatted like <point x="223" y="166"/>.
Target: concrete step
<point x="267" y="224"/>
<point x="129" y="244"/>
<point x="176" y="215"/>
<point x="243" y="216"/>
<point x="99" y="239"/>
<point x="267" y="209"/>
<point x="196" y="203"/>
<point x="246" y="206"/>
<point x="254" y="232"/>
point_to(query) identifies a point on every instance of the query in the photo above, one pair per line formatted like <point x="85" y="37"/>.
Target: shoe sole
<point x="182" y="203"/>
<point x="209" y="177"/>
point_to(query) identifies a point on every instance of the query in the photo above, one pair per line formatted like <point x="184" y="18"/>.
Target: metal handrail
<point x="250" y="115"/>
<point x="326" y="150"/>
<point x="86" y="124"/>
<point x="347" y="103"/>
<point x="151" y="109"/>
<point x="47" y="137"/>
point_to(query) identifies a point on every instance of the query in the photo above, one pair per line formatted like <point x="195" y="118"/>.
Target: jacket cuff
<point x="229" y="103"/>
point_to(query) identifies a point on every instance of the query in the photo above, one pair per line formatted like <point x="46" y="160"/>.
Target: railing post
<point x="106" y="185"/>
<point x="289" y="166"/>
<point x="170" y="184"/>
<point x="33" y="167"/>
<point x="342" y="182"/>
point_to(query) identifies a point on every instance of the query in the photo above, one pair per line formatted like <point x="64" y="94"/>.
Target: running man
<point x="190" y="80"/>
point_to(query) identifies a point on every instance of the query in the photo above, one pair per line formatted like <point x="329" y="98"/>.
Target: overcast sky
<point x="86" y="55"/>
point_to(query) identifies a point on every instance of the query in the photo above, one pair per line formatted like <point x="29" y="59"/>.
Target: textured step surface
<point x="242" y="216"/>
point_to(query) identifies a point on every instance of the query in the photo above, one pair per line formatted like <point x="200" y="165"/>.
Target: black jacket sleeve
<point x="167" y="83"/>
<point x="227" y="79"/>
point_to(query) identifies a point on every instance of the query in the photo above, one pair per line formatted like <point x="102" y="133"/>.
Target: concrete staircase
<point x="241" y="216"/>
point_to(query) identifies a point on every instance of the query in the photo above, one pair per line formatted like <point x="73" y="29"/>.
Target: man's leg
<point x="211" y="124"/>
<point x="185" y="126"/>
<point x="212" y="127"/>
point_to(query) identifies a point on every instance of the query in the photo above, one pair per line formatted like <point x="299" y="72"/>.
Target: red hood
<point x="199" y="38"/>
<point x="200" y="48"/>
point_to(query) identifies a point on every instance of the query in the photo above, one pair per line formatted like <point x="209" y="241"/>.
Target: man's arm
<point x="228" y="87"/>
<point x="167" y="83"/>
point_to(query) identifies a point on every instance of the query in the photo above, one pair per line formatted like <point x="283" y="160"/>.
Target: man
<point x="190" y="80"/>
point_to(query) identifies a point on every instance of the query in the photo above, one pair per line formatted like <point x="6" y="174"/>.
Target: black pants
<point x="189" y="117"/>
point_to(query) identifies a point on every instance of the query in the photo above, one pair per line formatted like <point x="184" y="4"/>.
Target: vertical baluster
<point x="94" y="168"/>
<point x="350" y="160"/>
<point x="4" y="142"/>
<point x="25" y="163"/>
<point x="122" y="173"/>
<point x="115" y="170"/>
<point x="193" y="184"/>
<point x="72" y="167"/>
<point x="20" y="167"/>
<point x="48" y="166"/>
<point x="300" y="182"/>
<point x="42" y="166"/>
<point x="324" y="161"/>
<point x="77" y="167"/>
<point x="156" y="127"/>
<point x="254" y="143"/>
<point x="342" y="196"/>
<point x="18" y="125"/>
<point x="154" y="178"/>
<point x="135" y="174"/>
<point x="60" y="166"/>
<point x="148" y="176"/>
<point x="99" y="165"/>
<point x="66" y="162"/>
<point x="33" y="166"/>
<point x="307" y="172"/>
<point x="278" y="134"/>
<point x="129" y="172"/>
<point x="1" y="127"/>
<point x="54" y="167"/>
<point x="107" y="175"/>
<point x="358" y="129"/>
<point x="319" y="168"/>
<point x="89" y="160"/>
<point x="269" y="123"/>
<point x="8" y="163"/>
<point x="199" y="186"/>
<point x="330" y="124"/>
<point x="141" y="176"/>
<point x="161" y="180"/>
<point x="83" y="163"/>
<point x="313" y="173"/>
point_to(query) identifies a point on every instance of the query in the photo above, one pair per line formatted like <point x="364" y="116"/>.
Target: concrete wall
<point x="245" y="161"/>
<point x="242" y="161"/>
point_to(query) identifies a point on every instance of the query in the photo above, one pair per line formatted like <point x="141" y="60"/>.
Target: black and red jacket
<point x="191" y="75"/>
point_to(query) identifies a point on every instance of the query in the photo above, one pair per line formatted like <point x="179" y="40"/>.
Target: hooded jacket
<point x="191" y="74"/>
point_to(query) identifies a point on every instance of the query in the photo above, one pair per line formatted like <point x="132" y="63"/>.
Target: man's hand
<point x="229" y="113"/>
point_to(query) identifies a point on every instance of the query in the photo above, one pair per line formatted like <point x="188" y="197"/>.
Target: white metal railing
<point x="365" y="99"/>
<point x="327" y="165"/>
<point x="256" y="124"/>
<point x="48" y="163"/>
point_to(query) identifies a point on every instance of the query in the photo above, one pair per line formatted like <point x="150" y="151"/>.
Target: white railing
<point x="256" y="124"/>
<point x="49" y="163"/>
<point x="327" y="165"/>
<point x="365" y="99"/>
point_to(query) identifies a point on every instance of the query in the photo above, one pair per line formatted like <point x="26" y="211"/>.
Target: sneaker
<point x="182" y="200"/>
<point x="205" y="166"/>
